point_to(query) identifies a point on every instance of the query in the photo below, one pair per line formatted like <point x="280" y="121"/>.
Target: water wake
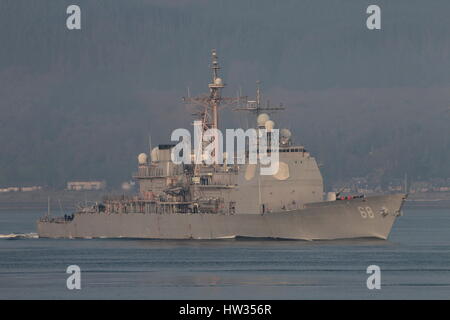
<point x="31" y="235"/>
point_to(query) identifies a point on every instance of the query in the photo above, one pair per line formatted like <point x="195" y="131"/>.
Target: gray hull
<point x="357" y="218"/>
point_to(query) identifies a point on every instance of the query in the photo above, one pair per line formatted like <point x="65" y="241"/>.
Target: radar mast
<point x="209" y="105"/>
<point x="255" y="106"/>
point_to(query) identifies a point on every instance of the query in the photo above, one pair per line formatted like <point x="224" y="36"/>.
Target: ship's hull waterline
<point x="357" y="218"/>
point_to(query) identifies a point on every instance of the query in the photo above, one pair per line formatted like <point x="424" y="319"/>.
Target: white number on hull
<point x="366" y="212"/>
<point x="370" y="212"/>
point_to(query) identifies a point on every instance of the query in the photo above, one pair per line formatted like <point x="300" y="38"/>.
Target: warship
<point x="231" y="199"/>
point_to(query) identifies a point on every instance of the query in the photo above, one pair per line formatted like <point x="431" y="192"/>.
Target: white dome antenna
<point x="142" y="159"/>
<point x="286" y="133"/>
<point x="269" y="125"/>
<point x="285" y="136"/>
<point x="262" y="119"/>
<point x="155" y="154"/>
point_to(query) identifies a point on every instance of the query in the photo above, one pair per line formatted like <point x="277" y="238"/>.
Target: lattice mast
<point x="209" y="104"/>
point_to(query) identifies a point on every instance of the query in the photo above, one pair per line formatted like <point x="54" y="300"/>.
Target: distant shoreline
<point x="38" y="200"/>
<point x="437" y="204"/>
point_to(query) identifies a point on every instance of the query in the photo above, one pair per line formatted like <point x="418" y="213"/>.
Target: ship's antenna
<point x="259" y="189"/>
<point x="209" y="103"/>
<point x="150" y="146"/>
<point x="255" y="105"/>
<point x="258" y="96"/>
<point x="214" y="88"/>
<point x="48" y="206"/>
<point x="60" y="205"/>
<point x="406" y="183"/>
<point x="209" y="112"/>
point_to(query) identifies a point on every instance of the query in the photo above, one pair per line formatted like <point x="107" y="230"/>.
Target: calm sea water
<point x="415" y="264"/>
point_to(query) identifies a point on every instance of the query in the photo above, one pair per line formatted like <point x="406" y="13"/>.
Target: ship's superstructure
<point x="230" y="198"/>
<point x="166" y="187"/>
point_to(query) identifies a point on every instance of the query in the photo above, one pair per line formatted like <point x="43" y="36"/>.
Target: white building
<point x="86" y="185"/>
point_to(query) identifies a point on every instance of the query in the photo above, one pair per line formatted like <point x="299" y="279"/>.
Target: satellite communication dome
<point x="262" y="119"/>
<point x="126" y="186"/>
<point x="142" y="158"/>
<point x="269" y="125"/>
<point x="285" y="133"/>
<point x="154" y="154"/>
<point x="218" y="81"/>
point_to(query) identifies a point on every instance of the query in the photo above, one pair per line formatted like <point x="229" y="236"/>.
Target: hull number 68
<point x="366" y="212"/>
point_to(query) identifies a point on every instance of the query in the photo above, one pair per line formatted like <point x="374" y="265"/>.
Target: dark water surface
<point x="415" y="264"/>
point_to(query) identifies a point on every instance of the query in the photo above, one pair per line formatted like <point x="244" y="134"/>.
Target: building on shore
<point x="86" y="185"/>
<point x="20" y="189"/>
